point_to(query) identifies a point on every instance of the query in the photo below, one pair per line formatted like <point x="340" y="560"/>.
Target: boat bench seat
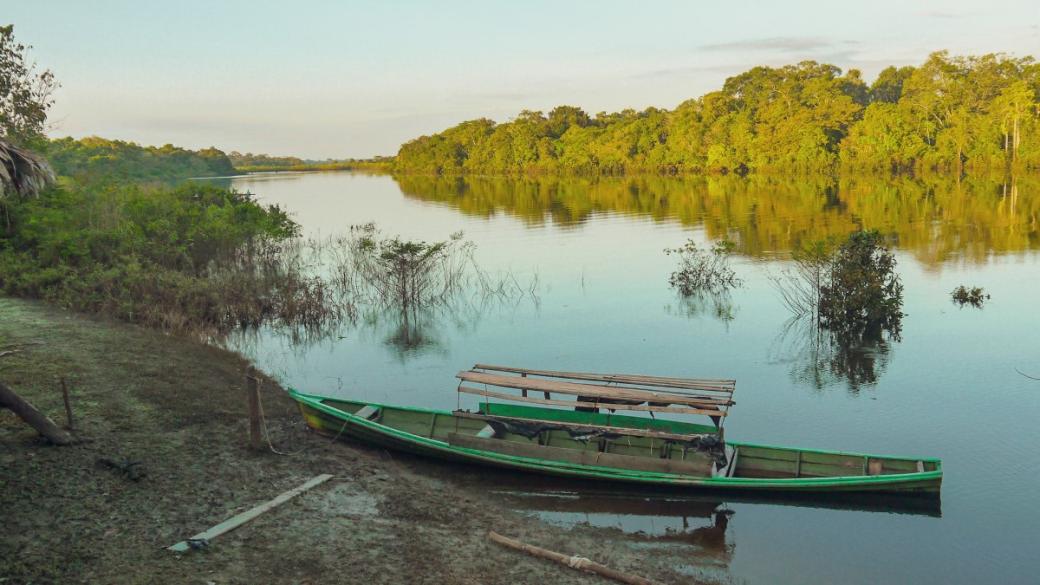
<point x="367" y="412"/>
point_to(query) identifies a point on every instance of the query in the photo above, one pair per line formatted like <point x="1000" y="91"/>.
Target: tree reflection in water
<point x="819" y="358"/>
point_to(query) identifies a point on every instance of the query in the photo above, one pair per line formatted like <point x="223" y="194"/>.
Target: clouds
<point x="787" y="44"/>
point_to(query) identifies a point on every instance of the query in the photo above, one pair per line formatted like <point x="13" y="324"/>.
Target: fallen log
<point x="33" y="417"/>
<point x="574" y="562"/>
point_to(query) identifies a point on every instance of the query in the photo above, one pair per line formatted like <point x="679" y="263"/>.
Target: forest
<point x="93" y="157"/>
<point x="971" y="114"/>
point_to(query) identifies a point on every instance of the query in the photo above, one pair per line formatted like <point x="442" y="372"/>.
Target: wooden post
<point x="68" y="405"/>
<point x="253" y="398"/>
<point x="574" y="562"/>
<point x="33" y="417"/>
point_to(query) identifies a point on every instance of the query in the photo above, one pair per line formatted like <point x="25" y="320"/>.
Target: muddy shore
<point x="177" y="407"/>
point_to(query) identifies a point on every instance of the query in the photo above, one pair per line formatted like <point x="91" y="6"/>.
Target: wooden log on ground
<point x="574" y="562"/>
<point x="253" y="399"/>
<point x="33" y="417"/>
<point x="202" y="539"/>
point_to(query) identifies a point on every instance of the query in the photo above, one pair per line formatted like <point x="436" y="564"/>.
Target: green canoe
<point x="588" y="444"/>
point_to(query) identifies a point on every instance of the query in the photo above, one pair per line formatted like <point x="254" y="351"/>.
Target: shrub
<point x="703" y="271"/>
<point x="852" y="289"/>
<point x="974" y="296"/>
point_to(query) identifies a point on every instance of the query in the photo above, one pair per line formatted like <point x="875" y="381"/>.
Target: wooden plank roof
<point x="614" y="391"/>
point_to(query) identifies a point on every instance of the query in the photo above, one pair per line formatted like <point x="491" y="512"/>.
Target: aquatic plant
<point x="974" y="296"/>
<point x="703" y="271"/>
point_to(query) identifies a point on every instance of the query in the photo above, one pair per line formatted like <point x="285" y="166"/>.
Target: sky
<point x="339" y="79"/>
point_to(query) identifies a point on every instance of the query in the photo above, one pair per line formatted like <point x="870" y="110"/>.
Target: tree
<point x="863" y="295"/>
<point x="25" y="92"/>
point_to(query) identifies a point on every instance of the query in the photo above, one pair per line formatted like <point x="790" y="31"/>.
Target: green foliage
<point x="94" y="158"/>
<point x="949" y="114"/>
<point x="25" y="93"/>
<point x="404" y="274"/>
<point x="179" y="258"/>
<point x="862" y="295"/>
<point x="974" y="296"/>
<point x="703" y="271"/>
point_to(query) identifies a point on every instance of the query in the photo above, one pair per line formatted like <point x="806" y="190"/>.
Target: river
<point x="592" y="254"/>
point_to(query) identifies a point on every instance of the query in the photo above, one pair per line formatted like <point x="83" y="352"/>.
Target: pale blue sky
<point x="339" y="79"/>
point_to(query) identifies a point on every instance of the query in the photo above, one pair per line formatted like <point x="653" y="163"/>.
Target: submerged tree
<point x="851" y="290"/>
<point x="703" y="271"/>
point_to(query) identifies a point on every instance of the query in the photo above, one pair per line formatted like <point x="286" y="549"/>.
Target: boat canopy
<point x="630" y="392"/>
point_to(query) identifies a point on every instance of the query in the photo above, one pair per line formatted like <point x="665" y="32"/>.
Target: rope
<point x="263" y="421"/>
<point x="577" y="562"/>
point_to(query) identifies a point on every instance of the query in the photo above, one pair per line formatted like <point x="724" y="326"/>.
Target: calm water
<point x="948" y="389"/>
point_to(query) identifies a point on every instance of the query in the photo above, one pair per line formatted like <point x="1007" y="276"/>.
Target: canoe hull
<point x="338" y="423"/>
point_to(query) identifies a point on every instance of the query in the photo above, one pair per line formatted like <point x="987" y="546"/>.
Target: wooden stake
<point x="253" y="398"/>
<point x="33" y="417"/>
<point x="574" y="562"/>
<point x="68" y="405"/>
<point x="202" y="539"/>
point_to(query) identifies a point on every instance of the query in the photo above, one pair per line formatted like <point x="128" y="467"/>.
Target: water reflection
<point x="718" y="306"/>
<point x="935" y="218"/>
<point x="820" y="359"/>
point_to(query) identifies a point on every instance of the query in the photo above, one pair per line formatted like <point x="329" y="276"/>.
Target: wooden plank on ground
<point x="240" y="519"/>
<point x="573" y="403"/>
<point x="589" y="390"/>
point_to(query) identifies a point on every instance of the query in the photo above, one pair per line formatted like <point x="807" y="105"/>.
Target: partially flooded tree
<point x="862" y="295"/>
<point x="703" y="271"/>
<point x="405" y="274"/>
<point x="851" y="289"/>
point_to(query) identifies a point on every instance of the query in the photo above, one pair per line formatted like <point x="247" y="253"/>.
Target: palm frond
<point x="22" y="172"/>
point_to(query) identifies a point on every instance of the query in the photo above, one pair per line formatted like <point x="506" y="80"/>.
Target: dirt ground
<point x="177" y="407"/>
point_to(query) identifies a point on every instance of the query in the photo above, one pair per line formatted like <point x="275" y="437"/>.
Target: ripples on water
<point x="948" y="388"/>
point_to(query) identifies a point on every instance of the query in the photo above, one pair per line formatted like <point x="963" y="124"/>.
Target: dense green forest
<point x="950" y="114"/>
<point x="251" y="163"/>
<point x="115" y="159"/>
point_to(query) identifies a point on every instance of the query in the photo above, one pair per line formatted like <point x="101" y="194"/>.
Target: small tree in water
<point x="861" y="295"/>
<point x="703" y="271"/>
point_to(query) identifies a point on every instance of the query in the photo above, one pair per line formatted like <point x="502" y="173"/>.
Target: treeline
<point x="98" y="158"/>
<point x="256" y="163"/>
<point x="950" y="114"/>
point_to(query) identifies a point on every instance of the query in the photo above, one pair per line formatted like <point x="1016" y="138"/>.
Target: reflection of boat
<point x="657" y="518"/>
<point x="586" y="443"/>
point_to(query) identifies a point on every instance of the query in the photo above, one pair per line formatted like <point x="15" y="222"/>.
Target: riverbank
<point x="177" y="407"/>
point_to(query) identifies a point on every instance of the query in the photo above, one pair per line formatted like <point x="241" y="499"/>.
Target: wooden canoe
<point x="646" y="457"/>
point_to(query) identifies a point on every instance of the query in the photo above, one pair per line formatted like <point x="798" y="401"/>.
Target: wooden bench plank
<point x="573" y="403"/>
<point x="589" y="390"/>
<point x="367" y="412"/>
<point x="663" y="381"/>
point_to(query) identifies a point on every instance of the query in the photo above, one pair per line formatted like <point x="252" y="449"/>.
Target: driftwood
<point x="33" y="417"/>
<point x="201" y="540"/>
<point x="574" y="562"/>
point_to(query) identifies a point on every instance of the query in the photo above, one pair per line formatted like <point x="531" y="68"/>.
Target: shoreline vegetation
<point x="951" y="114"/>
